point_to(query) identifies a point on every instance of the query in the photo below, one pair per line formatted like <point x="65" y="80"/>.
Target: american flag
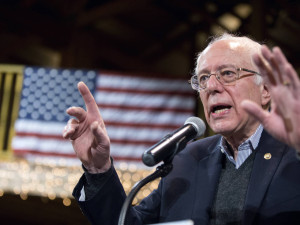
<point x="138" y="111"/>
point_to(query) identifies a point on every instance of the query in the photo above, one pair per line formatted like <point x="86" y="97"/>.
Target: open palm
<point x="283" y="121"/>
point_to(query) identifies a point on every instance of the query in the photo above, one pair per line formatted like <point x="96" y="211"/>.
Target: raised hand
<point x="283" y="122"/>
<point x="88" y="134"/>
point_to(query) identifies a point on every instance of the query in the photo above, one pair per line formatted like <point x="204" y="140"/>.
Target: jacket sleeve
<point x="105" y="205"/>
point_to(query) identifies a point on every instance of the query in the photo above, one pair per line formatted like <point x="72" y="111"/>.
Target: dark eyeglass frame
<point x="196" y="86"/>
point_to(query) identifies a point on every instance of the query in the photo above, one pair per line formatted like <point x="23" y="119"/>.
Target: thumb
<point x="100" y="135"/>
<point x="255" y="110"/>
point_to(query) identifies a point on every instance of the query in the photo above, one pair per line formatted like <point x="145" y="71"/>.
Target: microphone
<point x="173" y="143"/>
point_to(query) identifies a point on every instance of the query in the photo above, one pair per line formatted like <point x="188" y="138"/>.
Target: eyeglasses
<point x="226" y="76"/>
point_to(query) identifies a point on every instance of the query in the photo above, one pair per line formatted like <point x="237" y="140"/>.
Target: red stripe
<point x="120" y="158"/>
<point x="144" y="75"/>
<point x="145" y="108"/>
<point x="42" y="136"/>
<point x="20" y="152"/>
<point x="58" y="137"/>
<point x="132" y="142"/>
<point x="143" y="91"/>
<point x="34" y="152"/>
<point x="138" y="125"/>
<point x="131" y="125"/>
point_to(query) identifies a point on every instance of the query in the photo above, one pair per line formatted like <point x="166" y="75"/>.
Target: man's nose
<point x="213" y="84"/>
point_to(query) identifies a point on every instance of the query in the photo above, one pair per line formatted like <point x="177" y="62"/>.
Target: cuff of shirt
<point x="94" y="182"/>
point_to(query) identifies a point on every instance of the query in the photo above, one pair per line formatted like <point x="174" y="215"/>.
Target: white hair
<point x="250" y="46"/>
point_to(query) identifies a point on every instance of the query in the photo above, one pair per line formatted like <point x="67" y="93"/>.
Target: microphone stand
<point x="161" y="171"/>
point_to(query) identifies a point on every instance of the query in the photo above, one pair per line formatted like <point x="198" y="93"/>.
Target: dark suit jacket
<point x="273" y="195"/>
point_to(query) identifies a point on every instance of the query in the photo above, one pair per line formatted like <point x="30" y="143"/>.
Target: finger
<point x="77" y="112"/>
<point x="264" y="69"/>
<point x="88" y="98"/>
<point x="274" y="67"/>
<point x="256" y="111"/>
<point x="70" y="128"/>
<point x="280" y="58"/>
<point x="100" y="134"/>
<point x="286" y="68"/>
<point x="294" y="80"/>
<point x="276" y="70"/>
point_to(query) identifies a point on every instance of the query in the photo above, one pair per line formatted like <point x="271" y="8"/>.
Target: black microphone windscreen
<point x="198" y="124"/>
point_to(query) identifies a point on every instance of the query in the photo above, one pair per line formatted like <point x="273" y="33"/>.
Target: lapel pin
<point x="267" y="156"/>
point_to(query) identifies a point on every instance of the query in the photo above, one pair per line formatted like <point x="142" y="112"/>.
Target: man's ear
<point x="265" y="97"/>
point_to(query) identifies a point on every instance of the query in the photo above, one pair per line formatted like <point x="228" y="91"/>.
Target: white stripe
<point x="42" y="145"/>
<point x="138" y="116"/>
<point x="45" y="128"/>
<point x="115" y="132"/>
<point x="139" y="83"/>
<point x="127" y="150"/>
<point x="144" y="100"/>
<point x="65" y="147"/>
<point x="139" y="134"/>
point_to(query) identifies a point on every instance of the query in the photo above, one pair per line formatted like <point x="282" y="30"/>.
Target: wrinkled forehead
<point x="224" y="52"/>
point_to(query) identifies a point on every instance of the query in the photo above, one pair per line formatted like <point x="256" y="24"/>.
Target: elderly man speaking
<point x="248" y="173"/>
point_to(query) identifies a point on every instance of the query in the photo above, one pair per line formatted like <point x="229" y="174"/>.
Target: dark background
<point x="144" y="36"/>
<point x="131" y="36"/>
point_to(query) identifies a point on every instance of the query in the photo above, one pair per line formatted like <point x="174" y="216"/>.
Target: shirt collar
<point x="251" y="142"/>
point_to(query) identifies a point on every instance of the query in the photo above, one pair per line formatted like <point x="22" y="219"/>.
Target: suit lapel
<point x="263" y="170"/>
<point x="209" y="169"/>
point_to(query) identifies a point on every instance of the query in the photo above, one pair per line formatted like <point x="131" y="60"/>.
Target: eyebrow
<point x="205" y="70"/>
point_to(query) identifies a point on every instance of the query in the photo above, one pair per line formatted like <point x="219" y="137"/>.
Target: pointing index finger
<point x="88" y="98"/>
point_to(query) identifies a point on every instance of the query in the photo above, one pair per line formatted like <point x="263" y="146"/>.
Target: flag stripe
<point x="22" y="152"/>
<point x="54" y="146"/>
<point x="117" y="133"/>
<point x="137" y="125"/>
<point x="140" y="108"/>
<point x="38" y="152"/>
<point x="142" y="83"/>
<point x="59" y="137"/>
<point x="154" y="92"/>
<point x="147" y="117"/>
<point x="143" y="100"/>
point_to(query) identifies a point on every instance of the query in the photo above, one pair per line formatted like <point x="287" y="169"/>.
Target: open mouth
<point x="220" y="108"/>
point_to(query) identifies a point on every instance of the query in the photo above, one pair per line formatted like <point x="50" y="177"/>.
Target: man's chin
<point x="223" y="129"/>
